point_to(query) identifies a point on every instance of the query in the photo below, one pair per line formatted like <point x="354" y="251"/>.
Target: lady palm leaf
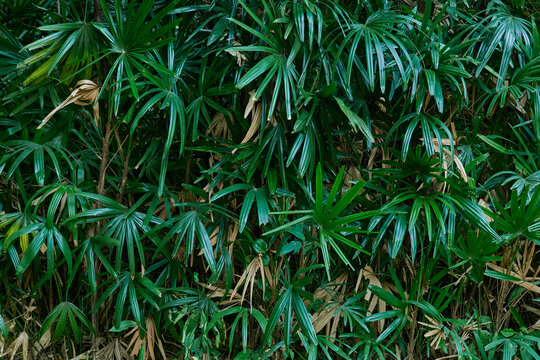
<point x="89" y="250"/>
<point x="475" y="251"/>
<point x="130" y="288"/>
<point x="187" y="225"/>
<point x="167" y="94"/>
<point x="12" y="53"/>
<point x="129" y="41"/>
<point x="66" y="315"/>
<point x="521" y="217"/>
<point x="431" y="129"/>
<point x="381" y="43"/>
<point x="20" y="150"/>
<point x="289" y="301"/>
<point x="46" y="237"/>
<point x="16" y="221"/>
<point x="331" y="226"/>
<point x="74" y="45"/>
<point x="503" y="30"/>
<point x="124" y="224"/>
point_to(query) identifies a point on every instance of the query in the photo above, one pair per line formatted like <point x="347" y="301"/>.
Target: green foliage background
<point x="269" y="179"/>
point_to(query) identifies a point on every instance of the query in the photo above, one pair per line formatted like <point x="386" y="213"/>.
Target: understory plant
<point x="256" y="179"/>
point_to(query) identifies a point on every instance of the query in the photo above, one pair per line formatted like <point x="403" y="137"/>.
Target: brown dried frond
<point x="255" y="109"/>
<point x="270" y="278"/>
<point x="352" y="174"/>
<point x="84" y="93"/>
<point x="218" y="292"/>
<point x="471" y="326"/>
<point x="45" y="340"/>
<point x="333" y="294"/>
<point x="256" y="116"/>
<point x="524" y="262"/>
<point x="114" y="350"/>
<point x="219" y="128"/>
<point x="150" y="340"/>
<point x="324" y="317"/>
<point x="21" y="341"/>
<point x="372" y="279"/>
<point x="250" y="104"/>
<point x="385" y="156"/>
<point x="535" y="326"/>
<point x="248" y="278"/>
<point x="436" y="333"/>
<point x="337" y="287"/>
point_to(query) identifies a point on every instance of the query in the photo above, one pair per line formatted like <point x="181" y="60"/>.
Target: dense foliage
<point x="257" y="179"/>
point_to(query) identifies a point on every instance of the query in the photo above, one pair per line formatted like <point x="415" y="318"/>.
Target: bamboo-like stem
<point x="125" y="171"/>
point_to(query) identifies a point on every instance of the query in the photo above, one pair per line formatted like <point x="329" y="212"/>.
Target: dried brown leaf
<point x="84" y="93"/>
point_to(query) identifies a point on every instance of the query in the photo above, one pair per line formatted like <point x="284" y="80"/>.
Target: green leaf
<point x="386" y="296"/>
<point x="500" y="276"/>
<point x="287" y="225"/>
<point x="262" y="66"/>
<point x="230" y="189"/>
<point x="303" y="317"/>
<point x="281" y="305"/>
<point x="246" y="207"/>
<point x="3" y="327"/>
<point x="355" y="120"/>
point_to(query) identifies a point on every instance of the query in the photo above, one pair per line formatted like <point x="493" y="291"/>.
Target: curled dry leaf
<point x="255" y="109"/>
<point x="84" y="93"/>
<point x="535" y="326"/>
<point x="352" y="174"/>
<point x="256" y="112"/>
<point x="250" y="104"/>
